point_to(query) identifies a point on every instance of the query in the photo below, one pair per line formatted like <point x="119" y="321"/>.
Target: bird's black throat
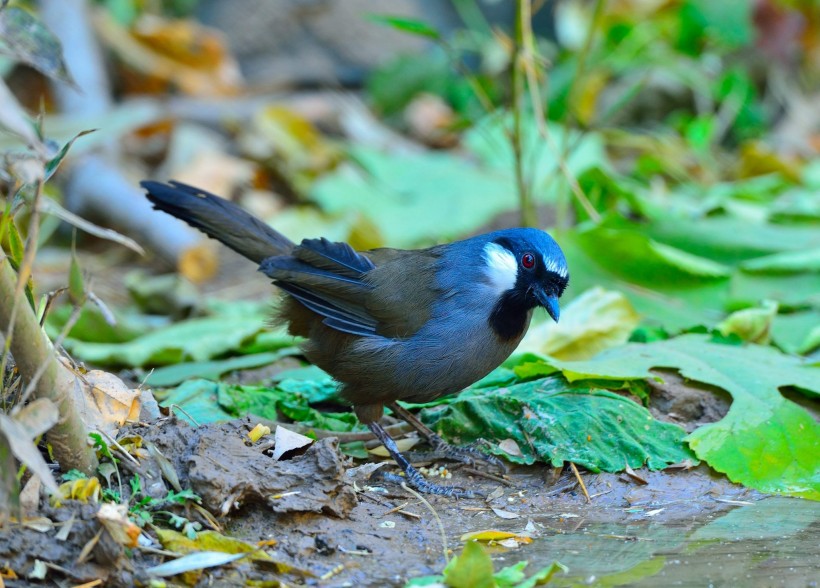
<point x="509" y="316"/>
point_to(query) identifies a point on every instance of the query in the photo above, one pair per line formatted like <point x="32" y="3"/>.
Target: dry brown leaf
<point x="199" y="263"/>
<point x="162" y="52"/>
<point x="105" y="402"/>
<point x="114" y="517"/>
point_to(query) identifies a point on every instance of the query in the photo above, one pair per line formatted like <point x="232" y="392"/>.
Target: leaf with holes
<point x="766" y="441"/>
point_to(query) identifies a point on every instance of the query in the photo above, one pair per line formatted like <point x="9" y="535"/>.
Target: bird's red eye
<point x="528" y="260"/>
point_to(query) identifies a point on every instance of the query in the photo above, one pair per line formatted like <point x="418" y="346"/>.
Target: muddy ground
<point x="334" y="530"/>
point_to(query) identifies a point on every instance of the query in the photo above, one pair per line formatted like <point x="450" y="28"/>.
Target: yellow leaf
<point x="84" y="490"/>
<point x="258" y="432"/>
<point x="494" y="535"/>
<point x="403" y="445"/>
<point x="596" y="320"/>
<point x="208" y="541"/>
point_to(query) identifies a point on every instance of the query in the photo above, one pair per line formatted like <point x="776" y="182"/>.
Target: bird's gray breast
<point x="455" y="349"/>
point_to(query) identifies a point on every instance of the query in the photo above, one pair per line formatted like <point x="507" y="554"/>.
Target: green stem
<point x="524" y="188"/>
<point x="33" y="354"/>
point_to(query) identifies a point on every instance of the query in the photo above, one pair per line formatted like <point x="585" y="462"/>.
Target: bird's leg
<point x="468" y="454"/>
<point x="413" y="477"/>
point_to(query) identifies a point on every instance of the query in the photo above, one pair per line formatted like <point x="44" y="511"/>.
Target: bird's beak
<point x="550" y="303"/>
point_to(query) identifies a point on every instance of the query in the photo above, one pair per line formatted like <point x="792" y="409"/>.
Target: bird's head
<point x="526" y="268"/>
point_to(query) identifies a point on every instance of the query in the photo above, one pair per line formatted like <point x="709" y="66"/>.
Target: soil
<point x="334" y="529"/>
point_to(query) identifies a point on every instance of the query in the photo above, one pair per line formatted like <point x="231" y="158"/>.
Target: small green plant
<point x="474" y="569"/>
<point x="148" y="510"/>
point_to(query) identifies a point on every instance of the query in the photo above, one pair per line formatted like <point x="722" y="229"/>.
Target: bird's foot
<point x="414" y="479"/>
<point x="470" y="454"/>
<point x="413" y="476"/>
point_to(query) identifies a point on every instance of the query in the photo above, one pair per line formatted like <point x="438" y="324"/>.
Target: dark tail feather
<point x="219" y="219"/>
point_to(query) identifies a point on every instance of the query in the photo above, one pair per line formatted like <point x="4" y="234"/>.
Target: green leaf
<point x="556" y="422"/>
<point x="172" y="375"/>
<point x="543" y="576"/>
<point x="406" y="25"/>
<point x="490" y="142"/>
<point x="205" y="401"/>
<point x="788" y="262"/>
<point x="766" y="441"/>
<point x="30" y="42"/>
<point x="751" y="324"/>
<point x="194" y="340"/>
<point x="416" y="198"/>
<point x="677" y="291"/>
<point x="76" y="283"/>
<point x="198" y="401"/>
<point x="54" y="162"/>
<point x="93" y="326"/>
<point x="16" y="246"/>
<point x="472" y="569"/>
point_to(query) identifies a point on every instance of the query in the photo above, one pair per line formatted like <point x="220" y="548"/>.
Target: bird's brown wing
<point x="382" y="292"/>
<point x="404" y="290"/>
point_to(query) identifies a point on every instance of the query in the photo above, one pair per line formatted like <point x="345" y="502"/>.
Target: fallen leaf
<point x="632" y="474"/>
<point x="287" y="440"/>
<point x="364" y="471"/>
<point x="39" y="524"/>
<point x="510" y="447"/>
<point x="494" y="535"/>
<point x="84" y="490"/>
<point x="596" y="320"/>
<point x="24" y="449"/>
<point x="194" y="561"/>
<point x="403" y="444"/>
<point x="114" y="517"/>
<point x="497" y="493"/>
<point x="209" y="541"/>
<point x="107" y="402"/>
<point x="162" y="52"/>
<point x="30" y="497"/>
<point x="505" y="514"/>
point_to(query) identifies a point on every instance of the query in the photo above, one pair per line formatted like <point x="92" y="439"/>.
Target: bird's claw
<point x="469" y="454"/>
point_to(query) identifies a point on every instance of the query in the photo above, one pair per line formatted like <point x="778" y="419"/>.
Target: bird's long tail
<point x="219" y="219"/>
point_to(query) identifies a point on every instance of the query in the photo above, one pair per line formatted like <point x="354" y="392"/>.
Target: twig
<point x="489" y="476"/>
<point x="183" y="411"/>
<point x="429" y="506"/>
<point x="580" y="481"/>
<point x="400" y="509"/>
<point x="528" y="64"/>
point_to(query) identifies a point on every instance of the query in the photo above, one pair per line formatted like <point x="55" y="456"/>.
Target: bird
<point x="391" y="324"/>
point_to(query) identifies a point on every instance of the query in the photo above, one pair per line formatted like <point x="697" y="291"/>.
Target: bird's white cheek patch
<point x="502" y="268"/>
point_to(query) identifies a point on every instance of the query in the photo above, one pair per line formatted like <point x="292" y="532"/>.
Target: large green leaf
<point x="729" y="239"/>
<point x="555" y="422"/>
<point x="416" y="198"/>
<point x="191" y="340"/>
<point x="665" y="285"/>
<point x="765" y="441"/>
